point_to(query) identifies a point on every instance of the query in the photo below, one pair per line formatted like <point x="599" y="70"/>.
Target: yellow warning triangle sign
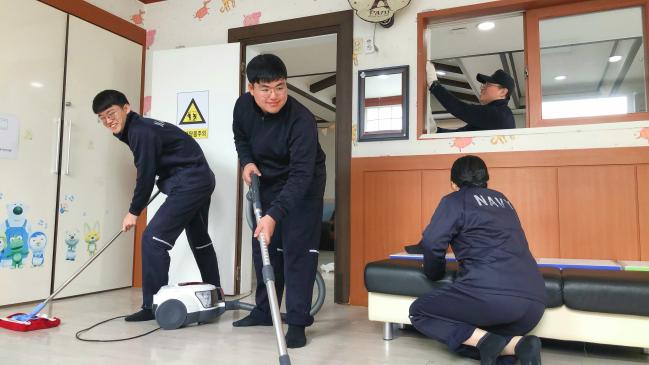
<point x="192" y="115"/>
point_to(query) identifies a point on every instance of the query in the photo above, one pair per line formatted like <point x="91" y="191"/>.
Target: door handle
<point x="55" y="159"/>
<point x="67" y="163"/>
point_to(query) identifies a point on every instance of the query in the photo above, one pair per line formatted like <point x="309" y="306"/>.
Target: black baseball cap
<point x="499" y="77"/>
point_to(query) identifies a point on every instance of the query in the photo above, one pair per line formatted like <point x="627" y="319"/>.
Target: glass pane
<point x="593" y="64"/>
<point x="384" y="112"/>
<point x="372" y="126"/>
<point x="462" y="49"/>
<point x="371" y="113"/>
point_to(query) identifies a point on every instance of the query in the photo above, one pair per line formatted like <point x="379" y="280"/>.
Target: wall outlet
<point x="368" y="46"/>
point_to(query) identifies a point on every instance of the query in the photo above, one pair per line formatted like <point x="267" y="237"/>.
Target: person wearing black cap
<point x="277" y="139"/>
<point x="498" y="294"/>
<point x="493" y="113"/>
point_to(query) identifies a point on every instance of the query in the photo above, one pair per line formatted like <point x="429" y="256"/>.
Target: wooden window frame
<point x="535" y="11"/>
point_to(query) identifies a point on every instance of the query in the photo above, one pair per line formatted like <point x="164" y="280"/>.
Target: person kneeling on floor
<point x="498" y="295"/>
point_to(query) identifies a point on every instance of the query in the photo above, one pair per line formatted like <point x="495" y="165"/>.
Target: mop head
<point x="36" y="322"/>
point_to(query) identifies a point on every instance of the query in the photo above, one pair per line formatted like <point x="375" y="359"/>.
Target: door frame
<point x="342" y="24"/>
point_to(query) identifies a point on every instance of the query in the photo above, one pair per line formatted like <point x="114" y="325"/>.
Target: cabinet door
<point x="32" y="39"/>
<point x="97" y="172"/>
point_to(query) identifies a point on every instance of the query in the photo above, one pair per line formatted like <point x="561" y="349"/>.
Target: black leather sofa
<point x="599" y="306"/>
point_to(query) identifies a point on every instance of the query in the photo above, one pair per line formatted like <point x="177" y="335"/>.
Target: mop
<point x="35" y="321"/>
<point x="269" y="277"/>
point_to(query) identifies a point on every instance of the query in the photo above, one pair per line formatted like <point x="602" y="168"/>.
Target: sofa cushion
<point x="553" y="286"/>
<point x="403" y="277"/>
<point x="623" y="292"/>
<point x="406" y="277"/>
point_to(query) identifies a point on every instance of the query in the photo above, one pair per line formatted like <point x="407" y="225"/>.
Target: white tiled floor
<point x="341" y="335"/>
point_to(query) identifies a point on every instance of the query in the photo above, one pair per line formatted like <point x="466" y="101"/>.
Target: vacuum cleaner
<point x="179" y="305"/>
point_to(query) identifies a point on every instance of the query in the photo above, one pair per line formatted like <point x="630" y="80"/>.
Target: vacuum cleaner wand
<point x="33" y="313"/>
<point x="269" y="277"/>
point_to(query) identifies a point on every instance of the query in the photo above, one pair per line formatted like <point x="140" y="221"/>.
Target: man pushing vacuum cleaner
<point x="164" y="150"/>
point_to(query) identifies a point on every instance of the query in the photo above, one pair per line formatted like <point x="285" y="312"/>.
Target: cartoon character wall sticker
<point x="91" y="236"/>
<point x="3" y="243"/>
<point x="16" y="232"/>
<point x="71" y="240"/>
<point x="37" y="243"/>
<point x="17" y="239"/>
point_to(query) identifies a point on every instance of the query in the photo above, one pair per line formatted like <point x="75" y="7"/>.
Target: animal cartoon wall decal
<point x="71" y="240"/>
<point x="462" y="142"/>
<point x="644" y="133"/>
<point x="227" y="5"/>
<point x="91" y="236"/>
<point x="138" y="18"/>
<point x="16" y="233"/>
<point x="251" y="19"/>
<point x="146" y="105"/>
<point x="16" y="244"/>
<point x="150" y="37"/>
<point x="3" y="243"/>
<point x="202" y="11"/>
<point x="37" y="243"/>
<point x="502" y="139"/>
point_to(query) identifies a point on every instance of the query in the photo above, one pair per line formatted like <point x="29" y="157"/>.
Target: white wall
<point x="175" y="25"/>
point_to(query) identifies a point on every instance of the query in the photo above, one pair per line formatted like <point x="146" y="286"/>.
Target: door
<point x="32" y="37"/>
<point x="97" y="172"/>
<point x="209" y="76"/>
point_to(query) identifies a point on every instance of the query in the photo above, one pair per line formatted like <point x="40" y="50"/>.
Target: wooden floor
<point x="341" y="335"/>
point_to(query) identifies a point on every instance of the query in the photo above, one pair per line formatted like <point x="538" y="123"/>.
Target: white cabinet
<point x="72" y="180"/>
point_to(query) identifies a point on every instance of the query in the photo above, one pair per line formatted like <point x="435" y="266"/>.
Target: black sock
<point x="252" y="321"/>
<point x="490" y="346"/>
<point x="295" y="337"/>
<point x="143" y="314"/>
<point x="528" y="350"/>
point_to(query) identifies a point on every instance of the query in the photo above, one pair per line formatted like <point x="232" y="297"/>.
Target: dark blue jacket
<point x="285" y="148"/>
<point x="164" y="150"/>
<point x="495" y="115"/>
<point x="485" y="233"/>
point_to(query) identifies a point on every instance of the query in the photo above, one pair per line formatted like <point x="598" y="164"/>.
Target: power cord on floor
<point x="78" y="334"/>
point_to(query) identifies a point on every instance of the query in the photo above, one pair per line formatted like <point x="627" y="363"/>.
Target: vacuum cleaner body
<point x="182" y="304"/>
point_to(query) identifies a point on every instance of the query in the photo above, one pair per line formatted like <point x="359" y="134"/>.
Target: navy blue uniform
<point x="495" y="115"/>
<point x="285" y="148"/>
<point x="498" y="286"/>
<point x="164" y="150"/>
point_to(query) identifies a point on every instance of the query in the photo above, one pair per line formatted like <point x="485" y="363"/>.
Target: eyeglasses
<point x="265" y="91"/>
<point x="111" y="115"/>
<point x="487" y="84"/>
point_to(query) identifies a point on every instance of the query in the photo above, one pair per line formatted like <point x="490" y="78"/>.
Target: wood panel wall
<point x="590" y="204"/>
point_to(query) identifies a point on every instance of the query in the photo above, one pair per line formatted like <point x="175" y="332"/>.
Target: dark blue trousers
<point x="186" y="208"/>
<point x="451" y="314"/>
<point x="294" y="256"/>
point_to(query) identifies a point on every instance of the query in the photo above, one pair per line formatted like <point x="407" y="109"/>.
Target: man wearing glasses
<point x="493" y="113"/>
<point x="276" y="138"/>
<point x="184" y="175"/>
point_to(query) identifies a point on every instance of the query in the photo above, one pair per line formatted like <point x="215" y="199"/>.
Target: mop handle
<point x="269" y="276"/>
<point x="60" y="288"/>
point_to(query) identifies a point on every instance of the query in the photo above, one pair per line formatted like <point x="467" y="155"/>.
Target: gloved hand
<point x="431" y="73"/>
